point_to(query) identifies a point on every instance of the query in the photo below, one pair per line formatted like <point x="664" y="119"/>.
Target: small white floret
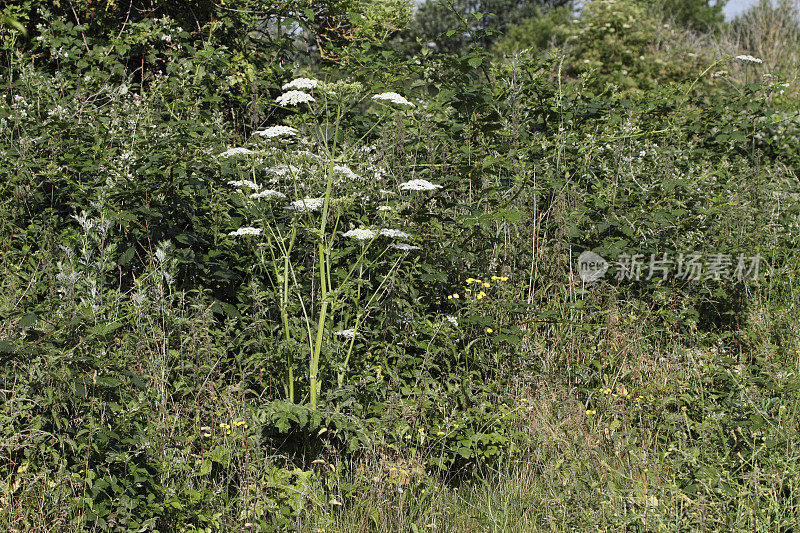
<point x="276" y="131"/>
<point x="346" y="333"/>
<point x="419" y="185"/>
<point x="301" y="83"/>
<point x="268" y="193"/>
<point x="307" y="205"/>
<point x="393" y="98"/>
<point x="235" y="151"/>
<point x="346" y="172"/>
<point x="362" y="234"/>
<point x="404" y="247"/>
<point x="245" y="231"/>
<point x="294" y="98"/>
<point x="245" y="183"/>
<point x="395" y="234"/>
<point x="748" y="59"/>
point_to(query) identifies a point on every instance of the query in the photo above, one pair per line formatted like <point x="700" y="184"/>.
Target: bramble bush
<point x="241" y="292"/>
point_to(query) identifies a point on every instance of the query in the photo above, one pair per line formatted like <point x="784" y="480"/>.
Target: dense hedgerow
<point x="240" y="293"/>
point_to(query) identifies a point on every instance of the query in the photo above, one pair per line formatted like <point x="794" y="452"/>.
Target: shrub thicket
<point x="228" y="305"/>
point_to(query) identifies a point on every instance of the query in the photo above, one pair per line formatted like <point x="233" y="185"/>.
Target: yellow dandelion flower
<point x="489" y="330"/>
<point x="455" y="296"/>
<point x="449" y="296"/>
<point x="487" y="285"/>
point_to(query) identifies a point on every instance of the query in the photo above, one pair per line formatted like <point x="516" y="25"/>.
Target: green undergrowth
<point x="361" y="308"/>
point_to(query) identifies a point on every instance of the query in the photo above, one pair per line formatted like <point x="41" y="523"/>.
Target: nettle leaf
<point x="28" y="320"/>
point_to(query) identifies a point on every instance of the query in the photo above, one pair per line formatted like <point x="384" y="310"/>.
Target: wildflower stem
<point x="323" y="273"/>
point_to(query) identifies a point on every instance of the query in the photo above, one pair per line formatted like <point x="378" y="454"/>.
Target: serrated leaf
<point x="126" y="256"/>
<point x="28" y="320"/>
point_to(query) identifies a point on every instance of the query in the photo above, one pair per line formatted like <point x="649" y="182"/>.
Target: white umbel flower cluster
<point x="245" y="183"/>
<point x="404" y="247"/>
<point x="268" y="193"/>
<point x="346" y="172"/>
<point x="395" y="234"/>
<point x="392" y="98"/>
<point x="453" y="320"/>
<point x="276" y="131"/>
<point x="245" y="231"/>
<point x="362" y="234"/>
<point x="346" y="333"/>
<point x="235" y="151"/>
<point x="749" y="59"/>
<point x="301" y="83"/>
<point x="284" y="170"/>
<point x="419" y="185"/>
<point x="307" y="205"/>
<point x="294" y="98"/>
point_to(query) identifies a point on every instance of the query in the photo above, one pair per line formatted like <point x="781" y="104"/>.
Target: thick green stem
<point x="313" y="376"/>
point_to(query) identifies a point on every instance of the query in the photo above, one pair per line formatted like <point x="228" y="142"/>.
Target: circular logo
<point x="591" y="266"/>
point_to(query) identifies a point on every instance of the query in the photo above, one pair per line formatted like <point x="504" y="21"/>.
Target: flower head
<point x="404" y="246"/>
<point x="362" y="234"/>
<point x="235" y="151"/>
<point x="294" y="98"/>
<point x="245" y="183"/>
<point x="300" y="83"/>
<point x="346" y="172"/>
<point x="453" y="320"/>
<point x="395" y="234"/>
<point x="283" y="169"/>
<point x="276" y="131"/>
<point x="245" y="231"/>
<point x="393" y="98"/>
<point x="268" y="193"/>
<point x="346" y="333"/>
<point x="419" y="185"/>
<point x="307" y="204"/>
<point x="749" y="59"/>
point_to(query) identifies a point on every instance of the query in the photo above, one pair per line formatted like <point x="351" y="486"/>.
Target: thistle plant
<point x="304" y="191"/>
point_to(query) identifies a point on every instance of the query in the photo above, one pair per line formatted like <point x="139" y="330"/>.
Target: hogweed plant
<point x="306" y="191"/>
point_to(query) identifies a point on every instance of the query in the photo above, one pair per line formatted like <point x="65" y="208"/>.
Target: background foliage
<point x="146" y="352"/>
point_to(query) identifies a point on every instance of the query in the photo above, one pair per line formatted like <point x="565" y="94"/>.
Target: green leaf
<point x="126" y="256"/>
<point x="28" y="320"/>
